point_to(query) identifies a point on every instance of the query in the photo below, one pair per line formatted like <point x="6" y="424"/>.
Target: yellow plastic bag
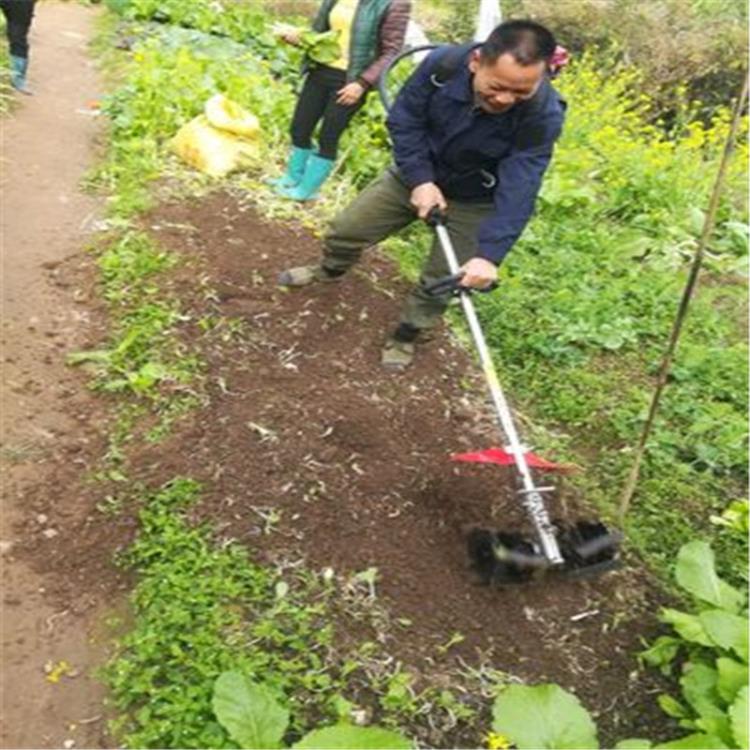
<point x="227" y="115"/>
<point x="222" y="140"/>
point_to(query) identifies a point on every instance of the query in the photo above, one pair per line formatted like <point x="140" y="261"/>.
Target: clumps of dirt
<point x="354" y="463"/>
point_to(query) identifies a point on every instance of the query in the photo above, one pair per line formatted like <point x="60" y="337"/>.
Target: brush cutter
<point x="581" y="549"/>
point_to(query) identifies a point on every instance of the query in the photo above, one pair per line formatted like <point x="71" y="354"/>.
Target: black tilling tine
<point x="480" y="546"/>
<point x="592" y="547"/>
<point x="522" y="559"/>
<point x="589" y="571"/>
<point x="503" y="558"/>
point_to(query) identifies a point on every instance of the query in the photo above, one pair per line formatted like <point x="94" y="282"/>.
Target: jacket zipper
<point x="466" y="122"/>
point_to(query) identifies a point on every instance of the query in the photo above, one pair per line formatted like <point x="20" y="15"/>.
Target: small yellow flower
<point x="496" y="741"/>
<point x="56" y="671"/>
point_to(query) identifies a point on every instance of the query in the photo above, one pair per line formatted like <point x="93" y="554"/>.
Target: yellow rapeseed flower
<point x="496" y="741"/>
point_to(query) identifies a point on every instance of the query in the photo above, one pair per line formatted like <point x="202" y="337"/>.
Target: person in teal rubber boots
<point x="370" y="34"/>
<point x="18" y="15"/>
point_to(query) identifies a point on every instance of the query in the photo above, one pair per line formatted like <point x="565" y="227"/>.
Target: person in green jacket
<point x="370" y="34"/>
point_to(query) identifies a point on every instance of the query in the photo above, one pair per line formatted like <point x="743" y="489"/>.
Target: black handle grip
<point x="436" y="217"/>
<point x="452" y="284"/>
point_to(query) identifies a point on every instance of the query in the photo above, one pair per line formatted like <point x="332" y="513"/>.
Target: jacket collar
<point x="459" y="87"/>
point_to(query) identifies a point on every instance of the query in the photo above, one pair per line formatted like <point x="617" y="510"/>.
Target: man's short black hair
<point x="526" y="41"/>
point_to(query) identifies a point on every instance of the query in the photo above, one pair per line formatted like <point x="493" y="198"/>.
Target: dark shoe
<point x="397" y="355"/>
<point x="304" y="275"/>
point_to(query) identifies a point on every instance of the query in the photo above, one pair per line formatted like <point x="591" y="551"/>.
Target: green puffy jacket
<point x="378" y="33"/>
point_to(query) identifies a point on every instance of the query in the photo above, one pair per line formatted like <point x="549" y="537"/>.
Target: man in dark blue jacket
<point x="473" y="132"/>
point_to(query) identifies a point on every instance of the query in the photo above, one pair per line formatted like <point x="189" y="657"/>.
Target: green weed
<point x="201" y="608"/>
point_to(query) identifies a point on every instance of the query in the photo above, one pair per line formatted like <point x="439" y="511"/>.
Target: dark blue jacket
<point x="440" y="136"/>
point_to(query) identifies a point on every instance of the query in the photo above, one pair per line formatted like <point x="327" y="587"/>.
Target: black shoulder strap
<point x="450" y="63"/>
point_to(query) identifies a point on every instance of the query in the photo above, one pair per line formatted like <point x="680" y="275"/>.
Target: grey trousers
<point x="382" y="209"/>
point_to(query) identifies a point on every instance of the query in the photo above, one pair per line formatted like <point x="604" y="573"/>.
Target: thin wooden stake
<point x="708" y="228"/>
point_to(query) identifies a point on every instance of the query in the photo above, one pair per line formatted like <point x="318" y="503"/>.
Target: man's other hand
<point x="478" y="273"/>
<point x="425" y="197"/>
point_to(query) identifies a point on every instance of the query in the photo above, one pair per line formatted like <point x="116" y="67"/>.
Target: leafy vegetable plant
<point x="254" y="718"/>
<point x="711" y="645"/>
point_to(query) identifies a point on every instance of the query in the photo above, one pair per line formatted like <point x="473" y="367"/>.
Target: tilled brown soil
<point x="302" y="419"/>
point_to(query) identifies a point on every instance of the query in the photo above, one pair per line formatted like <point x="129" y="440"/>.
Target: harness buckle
<point x="488" y="179"/>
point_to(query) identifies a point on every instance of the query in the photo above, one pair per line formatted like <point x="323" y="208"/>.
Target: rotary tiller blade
<point x="589" y="548"/>
<point x="504" y="558"/>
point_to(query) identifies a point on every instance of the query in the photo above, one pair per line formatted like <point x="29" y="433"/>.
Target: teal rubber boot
<point x="295" y="169"/>
<point x="316" y="173"/>
<point x="18" y="68"/>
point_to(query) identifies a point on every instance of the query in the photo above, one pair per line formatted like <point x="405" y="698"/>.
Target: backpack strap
<point x="450" y="63"/>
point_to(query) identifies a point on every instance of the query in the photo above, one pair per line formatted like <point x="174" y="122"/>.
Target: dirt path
<point x="47" y="145"/>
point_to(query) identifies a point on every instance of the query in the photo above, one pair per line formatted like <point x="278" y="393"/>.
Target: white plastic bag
<point x="490" y="15"/>
<point x="415" y="37"/>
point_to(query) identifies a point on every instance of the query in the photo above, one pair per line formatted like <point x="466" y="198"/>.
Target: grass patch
<point x="202" y="606"/>
<point x="144" y="356"/>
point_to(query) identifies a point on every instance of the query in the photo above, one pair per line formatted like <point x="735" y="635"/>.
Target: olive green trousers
<point x="382" y="209"/>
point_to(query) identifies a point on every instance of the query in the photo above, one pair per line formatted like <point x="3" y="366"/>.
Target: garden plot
<point x="312" y="457"/>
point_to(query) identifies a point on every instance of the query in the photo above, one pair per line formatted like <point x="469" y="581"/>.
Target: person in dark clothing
<point x="475" y="145"/>
<point x="370" y="35"/>
<point x="18" y="15"/>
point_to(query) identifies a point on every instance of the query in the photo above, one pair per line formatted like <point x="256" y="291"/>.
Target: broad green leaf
<point x="662" y="652"/>
<point x="696" y="573"/>
<point x="726" y="630"/>
<point x="734" y="517"/>
<point x="688" y="626"/>
<point x="717" y="726"/>
<point x="147" y="376"/>
<point x="672" y="707"/>
<point x="694" y="742"/>
<point x="322" y="47"/>
<point x="544" y="716"/>
<point x="634" y="744"/>
<point x="343" y="736"/>
<point x="738" y="717"/>
<point x="732" y="599"/>
<point x="249" y="711"/>
<point x="699" y="688"/>
<point x="732" y="677"/>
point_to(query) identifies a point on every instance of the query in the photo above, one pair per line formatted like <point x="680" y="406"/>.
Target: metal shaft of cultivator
<point x="530" y="494"/>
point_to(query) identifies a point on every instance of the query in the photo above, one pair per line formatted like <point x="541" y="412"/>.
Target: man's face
<point x="500" y="84"/>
